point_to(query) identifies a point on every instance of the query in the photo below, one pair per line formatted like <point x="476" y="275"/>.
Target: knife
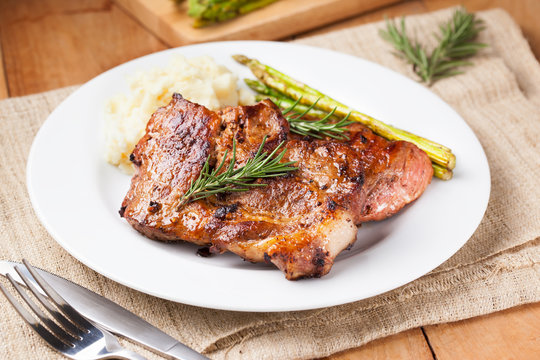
<point x="106" y="313"/>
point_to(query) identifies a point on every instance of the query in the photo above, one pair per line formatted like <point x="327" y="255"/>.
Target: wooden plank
<point x="408" y="345"/>
<point x="55" y="43"/>
<point x="509" y="334"/>
<point x="3" y="84"/>
<point x="171" y="23"/>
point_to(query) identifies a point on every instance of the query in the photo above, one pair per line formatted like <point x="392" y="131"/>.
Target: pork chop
<point x="299" y="222"/>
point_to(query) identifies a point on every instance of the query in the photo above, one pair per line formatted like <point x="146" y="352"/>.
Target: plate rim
<point x="321" y="304"/>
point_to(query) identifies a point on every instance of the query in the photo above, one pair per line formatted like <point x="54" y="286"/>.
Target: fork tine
<point x="58" y="300"/>
<point x="55" y="329"/>
<point x="46" y="303"/>
<point x="30" y="320"/>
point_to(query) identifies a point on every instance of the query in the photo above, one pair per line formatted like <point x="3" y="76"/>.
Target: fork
<point x="79" y="339"/>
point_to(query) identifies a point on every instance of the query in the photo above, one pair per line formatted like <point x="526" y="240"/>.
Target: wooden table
<point x="46" y="44"/>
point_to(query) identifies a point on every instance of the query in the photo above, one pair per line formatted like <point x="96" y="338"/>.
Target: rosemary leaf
<point x="316" y="128"/>
<point x="456" y="41"/>
<point x="213" y="182"/>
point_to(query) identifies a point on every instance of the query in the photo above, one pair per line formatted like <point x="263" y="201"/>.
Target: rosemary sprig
<point x="294" y="112"/>
<point x="456" y="42"/>
<point x="261" y="165"/>
<point x="315" y="128"/>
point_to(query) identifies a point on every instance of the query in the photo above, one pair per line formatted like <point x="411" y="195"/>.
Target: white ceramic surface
<point x="77" y="195"/>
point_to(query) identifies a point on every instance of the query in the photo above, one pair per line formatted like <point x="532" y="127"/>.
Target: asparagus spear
<point x="207" y="12"/>
<point x="283" y="101"/>
<point x="284" y="84"/>
<point x="441" y="172"/>
<point x="263" y="89"/>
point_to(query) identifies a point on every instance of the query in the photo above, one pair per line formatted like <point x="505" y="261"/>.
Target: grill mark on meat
<point x="204" y="252"/>
<point x="154" y="206"/>
<point x="332" y="205"/>
<point x="359" y="179"/>
<point x="319" y="260"/>
<point x="222" y="211"/>
<point x="136" y="161"/>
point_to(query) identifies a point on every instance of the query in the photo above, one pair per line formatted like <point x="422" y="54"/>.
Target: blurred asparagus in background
<point x="207" y="12"/>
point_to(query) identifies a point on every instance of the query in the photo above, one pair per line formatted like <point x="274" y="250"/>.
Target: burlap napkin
<point x="498" y="268"/>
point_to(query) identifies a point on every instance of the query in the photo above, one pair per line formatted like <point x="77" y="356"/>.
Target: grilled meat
<point x="396" y="172"/>
<point x="299" y="222"/>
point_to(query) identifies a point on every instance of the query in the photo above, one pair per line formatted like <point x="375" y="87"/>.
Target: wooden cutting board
<point x="278" y="20"/>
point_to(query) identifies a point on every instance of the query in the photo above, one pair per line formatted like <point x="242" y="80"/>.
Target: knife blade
<point x="108" y="314"/>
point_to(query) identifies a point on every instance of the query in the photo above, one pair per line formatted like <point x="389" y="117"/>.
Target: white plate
<point x="77" y="195"/>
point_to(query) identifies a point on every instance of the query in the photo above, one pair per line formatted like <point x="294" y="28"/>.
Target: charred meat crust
<point x="298" y="222"/>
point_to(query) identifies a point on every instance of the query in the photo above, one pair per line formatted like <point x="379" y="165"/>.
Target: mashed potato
<point x="200" y="80"/>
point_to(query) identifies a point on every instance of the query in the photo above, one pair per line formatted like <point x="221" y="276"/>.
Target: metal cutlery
<point x="77" y="338"/>
<point x="108" y="315"/>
